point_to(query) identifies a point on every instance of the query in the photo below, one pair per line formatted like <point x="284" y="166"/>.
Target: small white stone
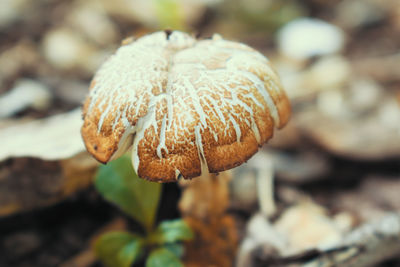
<point x="331" y="103"/>
<point x="328" y="72"/>
<point x="93" y="23"/>
<point x="66" y="50"/>
<point x="11" y="11"/>
<point x="63" y="48"/>
<point x="364" y="94"/>
<point x="304" y="38"/>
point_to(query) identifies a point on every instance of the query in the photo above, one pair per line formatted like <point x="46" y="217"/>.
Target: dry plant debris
<point x="42" y="162"/>
<point x="354" y="93"/>
<point x="56" y="137"/>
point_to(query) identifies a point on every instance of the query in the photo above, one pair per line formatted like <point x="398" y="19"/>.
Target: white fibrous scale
<point x="185" y="106"/>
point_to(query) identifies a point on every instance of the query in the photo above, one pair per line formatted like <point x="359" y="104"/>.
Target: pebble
<point x="304" y="38"/>
<point x="66" y="50"/>
<point x="364" y="94"/>
<point x="328" y="72"/>
<point x="11" y="11"/>
<point x="331" y="103"/>
<point x="94" y="23"/>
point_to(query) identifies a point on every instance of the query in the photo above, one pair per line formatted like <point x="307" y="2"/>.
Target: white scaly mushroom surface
<point x="182" y="103"/>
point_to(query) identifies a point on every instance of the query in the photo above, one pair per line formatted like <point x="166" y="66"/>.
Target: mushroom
<point x="186" y="106"/>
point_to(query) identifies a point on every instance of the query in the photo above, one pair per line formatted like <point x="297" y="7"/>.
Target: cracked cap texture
<point x="185" y="106"/>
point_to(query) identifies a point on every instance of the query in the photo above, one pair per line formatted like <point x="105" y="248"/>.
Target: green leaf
<point x="118" y="249"/>
<point x="176" y="248"/>
<point x="171" y="231"/>
<point x="118" y="183"/>
<point x="162" y="257"/>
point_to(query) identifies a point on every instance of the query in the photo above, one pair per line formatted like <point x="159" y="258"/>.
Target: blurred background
<point x="336" y="165"/>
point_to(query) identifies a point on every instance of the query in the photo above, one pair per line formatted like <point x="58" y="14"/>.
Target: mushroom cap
<point x="185" y="106"/>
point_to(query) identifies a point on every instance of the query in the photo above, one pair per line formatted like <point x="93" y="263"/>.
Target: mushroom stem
<point x="205" y="197"/>
<point x="265" y="182"/>
<point x="203" y="206"/>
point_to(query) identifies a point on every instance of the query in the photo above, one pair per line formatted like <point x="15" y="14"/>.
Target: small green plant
<point x="118" y="183"/>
